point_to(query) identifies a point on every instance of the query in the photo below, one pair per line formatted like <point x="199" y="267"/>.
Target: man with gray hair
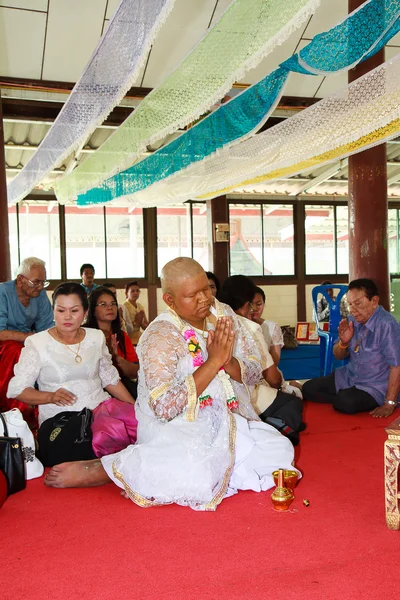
<point x="24" y="310"/>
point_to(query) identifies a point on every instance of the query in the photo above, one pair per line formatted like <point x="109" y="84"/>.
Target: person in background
<point x="24" y="310"/>
<point x="73" y="370"/>
<point x="323" y="309"/>
<point x="103" y="314"/>
<point x="87" y="275"/>
<point x="135" y="311"/>
<point x="371" y="339"/>
<point x="272" y="404"/>
<point x="126" y="323"/>
<point x="214" y="283"/>
<point x="271" y="331"/>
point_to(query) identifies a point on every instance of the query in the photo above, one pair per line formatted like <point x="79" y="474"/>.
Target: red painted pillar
<point x="368" y="203"/>
<point x="5" y="263"/>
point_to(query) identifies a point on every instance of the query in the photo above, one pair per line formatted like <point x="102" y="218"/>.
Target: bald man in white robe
<point x="199" y="440"/>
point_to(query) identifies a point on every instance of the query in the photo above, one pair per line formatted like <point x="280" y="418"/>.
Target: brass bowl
<point x="289" y="477"/>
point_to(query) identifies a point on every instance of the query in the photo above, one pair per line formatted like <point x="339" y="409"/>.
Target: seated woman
<point x="214" y="282"/>
<point x="135" y="311"/>
<point x="73" y="370"/>
<point x="273" y="406"/>
<point x="271" y="331"/>
<point x="103" y="314"/>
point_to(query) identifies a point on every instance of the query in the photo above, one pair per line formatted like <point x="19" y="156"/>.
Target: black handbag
<point x="12" y="462"/>
<point x="66" y="437"/>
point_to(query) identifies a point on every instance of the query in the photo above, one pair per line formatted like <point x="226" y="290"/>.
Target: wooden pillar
<point x="218" y="252"/>
<point x="5" y="263"/>
<point x="368" y="204"/>
<point x="299" y="219"/>
<point x="150" y="258"/>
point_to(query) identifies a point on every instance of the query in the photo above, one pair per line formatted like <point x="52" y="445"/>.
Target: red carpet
<point x="93" y="545"/>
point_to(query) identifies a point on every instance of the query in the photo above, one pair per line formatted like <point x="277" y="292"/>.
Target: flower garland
<point x="195" y="351"/>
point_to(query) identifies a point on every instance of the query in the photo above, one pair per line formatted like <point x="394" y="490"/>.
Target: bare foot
<point x="124" y="494"/>
<point x="85" y="473"/>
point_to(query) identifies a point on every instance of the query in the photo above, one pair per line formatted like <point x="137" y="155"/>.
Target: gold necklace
<point x="78" y="358"/>
<point x="358" y="342"/>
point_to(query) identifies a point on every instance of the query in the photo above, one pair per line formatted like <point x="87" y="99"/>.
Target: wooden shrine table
<point x="392" y="462"/>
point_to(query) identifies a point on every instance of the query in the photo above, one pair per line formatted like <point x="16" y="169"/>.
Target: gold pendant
<point x="356" y="349"/>
<point x="78" y="359"/>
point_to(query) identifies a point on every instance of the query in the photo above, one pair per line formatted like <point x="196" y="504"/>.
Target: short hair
<point x="327" y="283"/>
<point x="69" y="288"/>
<point x="130" y="284"/>
<point x="28" y="263"/>
<point x="215" y="279"/>
<point x="261" y="292"/>
<point x="368" y="286"/>
<point x="108" y="284"/>
<point x="177" y="270"/>
<point x="237" y="290"/>
<point x="86" y="266"/>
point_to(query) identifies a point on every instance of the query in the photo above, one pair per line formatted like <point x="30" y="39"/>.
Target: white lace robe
<point x="49" y="363"/>
<point x="188" y="455"/>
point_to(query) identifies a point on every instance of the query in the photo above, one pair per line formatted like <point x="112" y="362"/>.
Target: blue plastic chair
<point x="328" y="338"/>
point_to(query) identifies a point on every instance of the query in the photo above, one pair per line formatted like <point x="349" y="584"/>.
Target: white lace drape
<point x="364" y="114"/>
<point x="246" y="32"/>
<point x="113" y="67"/>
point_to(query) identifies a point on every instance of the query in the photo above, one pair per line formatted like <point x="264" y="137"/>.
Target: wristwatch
<point x="391" y="402"/>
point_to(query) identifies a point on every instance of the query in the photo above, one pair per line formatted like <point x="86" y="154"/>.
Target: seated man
<point x="24" y="309"/>
<point x="199" y="439"/>
<point x="87" y="275"/>
<point x="371" y="338"/>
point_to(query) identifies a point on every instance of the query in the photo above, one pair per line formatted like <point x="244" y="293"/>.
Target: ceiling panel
<point x="332" y="83"/>
<point x="328" y="14"/>
<point x="27" y="4"/>
<point x="220" y="9"/>
<point x="176" y="39"/>
<point x="111" y="8"/>
<point x="21" y="42"/>
<point x="73" y="31"/>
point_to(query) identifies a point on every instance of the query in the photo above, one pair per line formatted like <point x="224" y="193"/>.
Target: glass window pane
<point x="125" y="250"/>
<point x="84" y="232"/>
<point x="200" y="237"/>
<point x="342" y="237"/>
<point x="245" y="239"/>
<point x="393" y="240"/>
<point x="13" y="237"/>
<point x="39" y="235"/>
<point x="173" y="233"/>
<point x="278" y="239"/>
<point x="319" y="230"/>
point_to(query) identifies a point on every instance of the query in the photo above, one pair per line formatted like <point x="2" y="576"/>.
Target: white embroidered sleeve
<point x="277" y="336"/>
<point x="26" y="371"/>
<point x="170" y="391"/>
<point x="107" y="372"/>
<point x="245" y="352"/>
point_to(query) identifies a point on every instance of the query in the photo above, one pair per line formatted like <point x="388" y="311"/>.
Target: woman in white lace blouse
<point x="70" y="364"/>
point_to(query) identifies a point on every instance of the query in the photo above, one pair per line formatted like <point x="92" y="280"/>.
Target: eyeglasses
<point x="104" y="304"/>
<point x="37" y="282"/>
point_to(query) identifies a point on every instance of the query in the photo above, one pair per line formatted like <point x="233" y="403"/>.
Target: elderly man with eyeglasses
<point x="24" y="309"/>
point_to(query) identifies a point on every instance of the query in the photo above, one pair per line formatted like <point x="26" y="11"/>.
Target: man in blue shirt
<point x="87" y="274"/>
<point x="370" y="337"/>
<point x="24" y="310"/>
